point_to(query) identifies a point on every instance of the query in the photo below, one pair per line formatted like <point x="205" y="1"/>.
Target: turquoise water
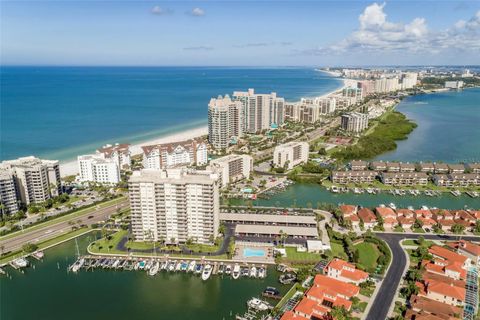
<point x="448" y="128"/>
<point x="249" y="252"/>
<point x="49" y="292"/>
<point x="60" y="112"/>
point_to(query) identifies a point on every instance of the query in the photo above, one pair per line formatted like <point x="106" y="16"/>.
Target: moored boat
<point x="207" y="271"/>
<point x="154" y="269"/>
<point x="236" y="272"/>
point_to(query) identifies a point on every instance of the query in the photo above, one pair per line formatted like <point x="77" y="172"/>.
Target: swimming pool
<point x="249" y="252"/>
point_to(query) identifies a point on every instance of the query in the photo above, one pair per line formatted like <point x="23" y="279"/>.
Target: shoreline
<point x="70" y="167"/>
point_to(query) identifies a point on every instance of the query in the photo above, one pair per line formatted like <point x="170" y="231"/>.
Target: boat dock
<point x="152" y="265"/>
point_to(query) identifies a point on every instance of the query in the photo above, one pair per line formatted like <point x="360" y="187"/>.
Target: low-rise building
<point x="275" y="231"/>
<point x="344" y="177"/>
<point x="358" y="165"/>
<point x="346" y="272"/>
<point x="170" y="155"/>
<point x="290" y="154"/>
<point x="404" y="178"/>
<point x="473" y="167"/>
<point x="456" y="168"/>
<point x="407" y="167"/>
<point x="393" y="166"/>
<point x="441" y="168"/>
<point x="468" y="249"/>
<point x="232" y="168"/>
<point x="120" y="153"/>
<point x="378" y="165"/>
<point x="427" y="167"/>
<point x="457" y="179"/>
<point x="368" y="217"/>
<point x="431" y="307"/>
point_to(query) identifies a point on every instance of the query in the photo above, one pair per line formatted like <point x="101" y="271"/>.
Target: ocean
<point x="448" y="128"/>
<point x="61" y="112"/>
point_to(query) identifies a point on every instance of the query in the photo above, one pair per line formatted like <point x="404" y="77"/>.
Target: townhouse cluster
<point x="407" y="218"/>
<point x="409" y="174"/>
<point x="336" y="287"/>
<point x="448" y="288"/>
<point x="26" y="181"/>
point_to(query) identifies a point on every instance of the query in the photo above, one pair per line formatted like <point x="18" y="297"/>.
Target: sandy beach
<point x="69" y="168"/>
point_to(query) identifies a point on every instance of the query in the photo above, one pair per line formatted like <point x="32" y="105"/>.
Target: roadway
<point x="39" y="234"/>
<point x="388" y="290"/>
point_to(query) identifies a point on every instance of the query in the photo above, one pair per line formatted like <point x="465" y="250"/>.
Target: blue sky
<point x="256" y="33"/>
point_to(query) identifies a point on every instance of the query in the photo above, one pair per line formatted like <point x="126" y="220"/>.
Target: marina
<point x="153" y="265"/>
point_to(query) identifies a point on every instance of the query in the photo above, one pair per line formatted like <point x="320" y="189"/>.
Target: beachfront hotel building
<point x="8" y="193"/>
<point x="35" y="180"/>
<point x="96" y="168"/>
<point x="169" y="155"/>
<point x="260" y="111"/>
<point x="120" y="153"/>
<point x="174" y="205"/>
<point x="354" y="122"/>
<point x="290" y="154"/>
<point x="225" y="121"/>
<point x="232" y="168"/>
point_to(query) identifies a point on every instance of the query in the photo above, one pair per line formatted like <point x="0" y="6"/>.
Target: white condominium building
<point x="409" y="80"/>
<point x="232" y="168"/>
<point x="310" y="110"/>
<point x="386" y="85"/>
<point x="225" y="121"/>
<point x="169" y="155"/>
<point x="260" y="110"/>
<point x="120" y="153"/>
<point x="8" y="193"/>
<point x="355" y="93"/>
<point x="354" y="122"/>
<point x="96" y="168"/>
<point x="36" y="180"/>
<point x="454" y="84"/>
<point x="290" y="154"/>
<point x="174" y="205"/>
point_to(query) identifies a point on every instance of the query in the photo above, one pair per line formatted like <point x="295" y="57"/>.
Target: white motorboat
<point x="236" y="271"/>
<point x="191" y="266"/>
<point x="154" y="269"/>
<point x="392" y="206"/>
<point x="38" y="254"/>
<point x="262" y="272"/>
<point x="115" y="264"/>
<point x="77" y="265"/>
<point x="164" y="265"/>
<point x="258" y="304"/>
<point x="207" y="272"/>
<point x="253" y="272"/>
<point x="178" y="267"/>
<point x="228" y="269"/>
<point x="20" y="262"/>
<point x="171" y="266"/>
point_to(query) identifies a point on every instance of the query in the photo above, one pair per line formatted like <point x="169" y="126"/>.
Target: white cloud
<point x="160" y="11"/>
<point x="197" y="12"/>
<point x="376" y="34"/>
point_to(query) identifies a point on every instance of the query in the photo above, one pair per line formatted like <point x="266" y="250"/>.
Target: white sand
<point x="71" y="167"/>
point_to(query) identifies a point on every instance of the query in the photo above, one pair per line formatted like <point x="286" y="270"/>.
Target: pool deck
<point x="241" y="246"/>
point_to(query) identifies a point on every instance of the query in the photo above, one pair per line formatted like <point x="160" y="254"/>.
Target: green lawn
<point x="288" y="295"/>
<point x="367" y="255"/>
<point x="367" y="291"/>
<point x="411" y="242"/>
<point x="418" y="230"/>
<point x="69" y="216"/>
<point x="338" y="250"/>
<point x="199" y="247"/>
<point x="294" y="256"/>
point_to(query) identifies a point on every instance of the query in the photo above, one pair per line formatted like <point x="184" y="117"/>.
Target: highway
<point x="387" y="292"/>
<point x="39" y="234"/>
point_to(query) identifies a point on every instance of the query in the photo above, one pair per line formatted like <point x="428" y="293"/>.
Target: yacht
<point x="258" y="304"/>
<point x="38" y="254"/>
<point x="253" y="272"/>
<point x="77" y="265"/>
<point x="245" y="271"/>
<point x="392" y="206"/>
<point x="20" y="262"/>
<point x="178" y="266"/>
<point x="236" y="272"/>
<point x="207" y="272"/>
<point x="154" y="269"/>
<point x="184" y="266"/>
<point x="456" y="193"/>
<point x="191" y="266"/>
<point x="228" y="269"/>
<point x="262" y="272"/>
<point x="334" y="189"/>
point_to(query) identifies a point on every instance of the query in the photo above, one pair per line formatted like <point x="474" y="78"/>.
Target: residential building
<point x="346" y="272"/>
<point x="96" y="168"/>
<point x="8" y="193"/>
<point x="174" y="205"/>
<point x="232" y="168"/>
<point x="427" y="167"/>
<point x="367" y="86"/>
<point x="260" y="110"/>
<point x="310" y="110"/>
<point x="473" y="167"/>
<point x="358" y="165"/>
<point x="275" y="231"/>
<point x="393" y="166"/>
<point x="290" y="154"/>
<point x="422" y="305"/>
<point x="170" y="155"/>
<point x="225" y="121"/>
<point x="35" y="180"/>
<point x="455" y="85"/>
<point x="378" y="166"/>
<point x="368" y="217"/>
<point x="354" y="122"/>
<point x="456" y="168"/>
<point x="345" y="177"/>
<point x="457" y="179"/>
<point x="443" y="292"/>
<point x="407" y="167"/>
<point x="404" y="178"/>
<point x="469" y="249"/>
<point x="355" y="93"/>
<point x="441" y="168"/>
<point x="120" y="153"/>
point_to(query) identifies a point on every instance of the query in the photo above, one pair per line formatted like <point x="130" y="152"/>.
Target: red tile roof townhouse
<point x="344" y="271"/>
